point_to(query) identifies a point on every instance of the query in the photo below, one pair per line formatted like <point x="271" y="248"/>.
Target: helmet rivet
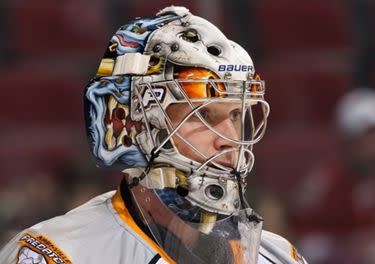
<point x="175" y="47"/>
<point x="222" y="180"/>
<point x="236" y="204"/>
<point x="157" y="48"/>
<point x="185" y="24"/>
<point x="227" y="76"/>
<point x="250" y="75"/>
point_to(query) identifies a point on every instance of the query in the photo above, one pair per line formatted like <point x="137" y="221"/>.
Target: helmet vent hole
<point x="214" y="192"/>
<point x="190" y="35"/>
<point x="154" y="60"/>
<point x="213" y="50"/>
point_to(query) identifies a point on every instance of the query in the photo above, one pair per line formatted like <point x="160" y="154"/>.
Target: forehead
<point x="178" y="109"/>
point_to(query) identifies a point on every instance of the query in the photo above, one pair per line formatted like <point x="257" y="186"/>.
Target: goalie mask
<point x="178" y="107"/>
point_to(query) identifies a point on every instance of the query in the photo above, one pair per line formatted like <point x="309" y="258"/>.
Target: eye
<point x="235" y="115"/>
<point x="204" y="113"/>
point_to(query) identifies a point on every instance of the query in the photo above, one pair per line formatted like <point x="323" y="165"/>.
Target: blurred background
<point x="314" y="178"/>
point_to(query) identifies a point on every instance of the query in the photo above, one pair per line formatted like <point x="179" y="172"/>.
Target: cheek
<point x="197" y="135"/>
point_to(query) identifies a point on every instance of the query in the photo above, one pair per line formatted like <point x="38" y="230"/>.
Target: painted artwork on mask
<point x="110" y="128"/>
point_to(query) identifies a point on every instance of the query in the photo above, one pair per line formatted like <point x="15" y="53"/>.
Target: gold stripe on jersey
<point x="296" y="256"/>
<point x="119" y="205"/>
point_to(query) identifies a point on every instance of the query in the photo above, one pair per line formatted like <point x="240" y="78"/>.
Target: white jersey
<point x="103" y="231"/>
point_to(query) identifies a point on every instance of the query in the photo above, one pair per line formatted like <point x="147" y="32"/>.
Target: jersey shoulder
<point x="90" y="232"/>
<point x="53" y="240"/>
<point x="276" y="249"/>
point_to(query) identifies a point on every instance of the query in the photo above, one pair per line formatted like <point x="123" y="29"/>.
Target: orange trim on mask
<point x="199" y="90"/>
<point x="119" y="206"/>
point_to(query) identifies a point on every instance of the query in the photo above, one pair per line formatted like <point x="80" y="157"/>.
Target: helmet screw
<point x="236" y="204"/>
<point x="250" y="75"/>
<point x="222" y="180"/>
<point x="175" y="47"/>
<point x="227" y="76"/>
<point x="157" y="48"/>
<point x="244" y="182"/>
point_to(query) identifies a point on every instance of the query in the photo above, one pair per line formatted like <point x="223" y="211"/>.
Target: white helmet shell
<point x="194" y="41"/>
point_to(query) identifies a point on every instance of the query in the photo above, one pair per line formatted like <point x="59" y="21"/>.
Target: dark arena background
<point x="310" y="53"/>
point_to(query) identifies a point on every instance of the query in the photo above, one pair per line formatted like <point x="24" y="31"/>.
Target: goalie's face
<point x="214" y="122"/>
<point x="225" y="118"/>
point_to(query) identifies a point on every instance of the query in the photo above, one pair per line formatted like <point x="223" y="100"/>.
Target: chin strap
<point x="253" y="217"/>
<point x="137" y="180"/>
<point x="239" y="183"/>
<point x="159" y="178"/>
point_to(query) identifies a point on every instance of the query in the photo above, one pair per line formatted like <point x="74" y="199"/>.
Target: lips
<point x="230" y="160"/>
<point x="225" y="163"/>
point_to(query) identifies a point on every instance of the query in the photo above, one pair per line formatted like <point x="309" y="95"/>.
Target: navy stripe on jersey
<point x="155" y="259"/>
<point x="266" y="258"/>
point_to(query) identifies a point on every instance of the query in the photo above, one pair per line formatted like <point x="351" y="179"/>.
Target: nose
<point x="227" y="129"/>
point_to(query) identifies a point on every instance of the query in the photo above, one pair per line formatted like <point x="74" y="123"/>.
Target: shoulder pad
<point x="279" y="250"/>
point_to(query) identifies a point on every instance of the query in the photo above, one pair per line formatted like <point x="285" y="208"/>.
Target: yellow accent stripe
<point x="119" y="205"/>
